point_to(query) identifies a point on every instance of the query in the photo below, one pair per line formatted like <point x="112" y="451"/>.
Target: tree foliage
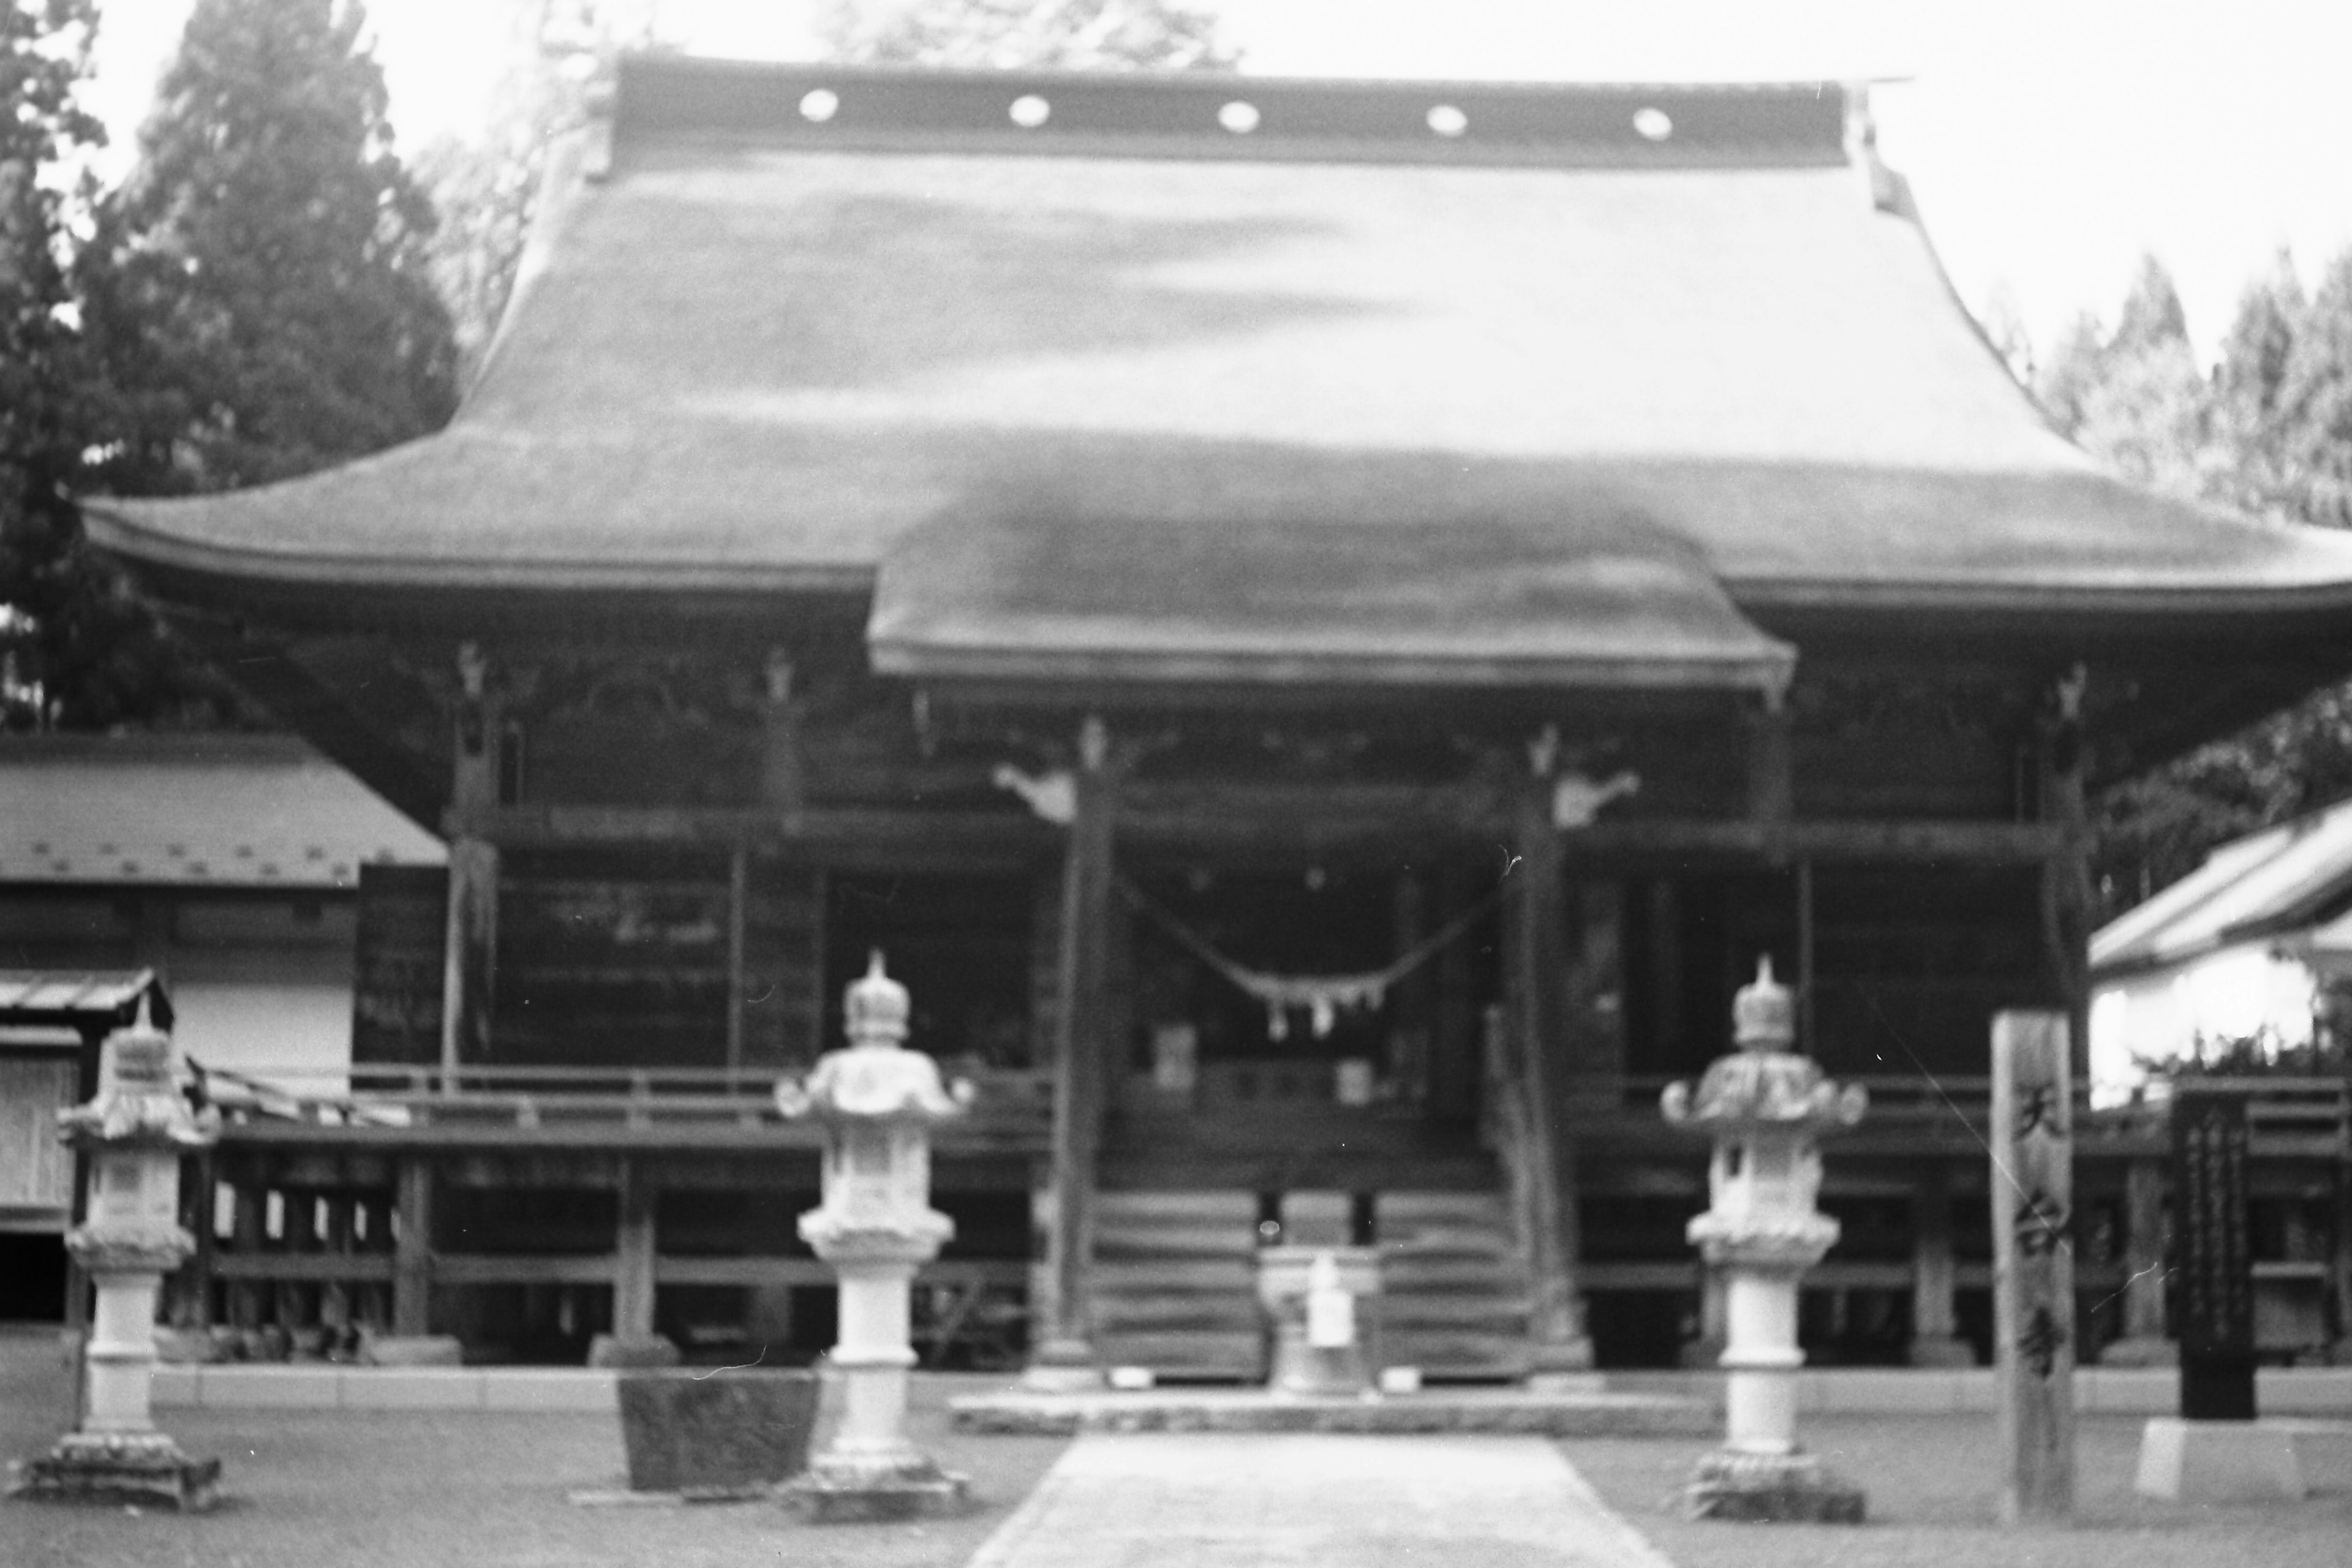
<point x="1009" y="35"/>
<point x="259" y="290"/>
<point x="2269" y="431"/>
<point x="73" y="648"/>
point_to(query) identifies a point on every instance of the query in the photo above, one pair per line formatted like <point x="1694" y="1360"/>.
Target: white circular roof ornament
<point x="1239" y="117"/>
<point x="819" y="105"/>
<point x="1448" y="120"/>
<point x="1029" y="111"/>
<point x="1654" y="124"/>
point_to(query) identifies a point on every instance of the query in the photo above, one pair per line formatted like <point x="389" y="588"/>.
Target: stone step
<point x="1206" y="1353"/>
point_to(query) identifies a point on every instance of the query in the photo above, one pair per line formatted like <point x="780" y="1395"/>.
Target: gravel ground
<point x="326" y="1488"/>
<point x="1933" y="1503"/>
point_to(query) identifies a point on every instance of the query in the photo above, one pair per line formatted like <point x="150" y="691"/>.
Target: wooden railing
<point x="524" y="1098"/>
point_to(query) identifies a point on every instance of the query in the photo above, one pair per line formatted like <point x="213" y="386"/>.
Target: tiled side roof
<point x="204" y="810"/>
<point x="2258" y="885"/>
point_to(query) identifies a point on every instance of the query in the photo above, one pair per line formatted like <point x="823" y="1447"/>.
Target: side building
<point x="228" y="869"/>
<point x="1323" y="627"/>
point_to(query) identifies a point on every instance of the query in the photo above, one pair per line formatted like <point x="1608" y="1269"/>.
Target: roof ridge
<point x="1222" y="115"/>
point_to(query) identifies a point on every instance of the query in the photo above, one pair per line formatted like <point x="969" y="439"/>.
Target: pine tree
<point x="2247" y="385"/>
<point x="2145" y="407"/>
<point x="76" y="649"/>
<point x="1009" y="35"/>
<point x="2075" y="367"/>
<point x="259" y="290"/>
<point x="2314" y="403"/>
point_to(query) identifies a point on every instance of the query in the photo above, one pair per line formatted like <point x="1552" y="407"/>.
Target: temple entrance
<point x="1323" y="988"/>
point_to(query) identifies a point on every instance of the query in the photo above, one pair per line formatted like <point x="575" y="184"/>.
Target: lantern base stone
<point x="1941" y="1351"/>
<point x="2218" y="1461"/>
<point x="116" y="1467"/>
<point x="1771" y="1489"/>
<point x="860" y="1490"/>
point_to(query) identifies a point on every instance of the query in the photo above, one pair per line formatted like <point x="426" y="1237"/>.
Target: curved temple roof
<point x="1398" y="382"/>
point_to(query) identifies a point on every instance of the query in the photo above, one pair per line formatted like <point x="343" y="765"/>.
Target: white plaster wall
<point x="2159" y="1015"/>
<point x="285" y="1015"/>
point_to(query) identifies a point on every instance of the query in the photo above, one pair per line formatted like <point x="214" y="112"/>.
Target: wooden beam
<point x="1294" y="822"/>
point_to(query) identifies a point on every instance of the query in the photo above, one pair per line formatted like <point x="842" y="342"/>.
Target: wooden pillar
<point x="1935" y="1339"/>
<point x="783" y="775"/>
<point x="1536" y="979"/>
<point x="2339" y="1266"/>
<point x="1063" y="1352"/>
<point x="2066" y="902"/>
<point x="2032" y="1180"/>
<point x="634" y="1246"/>
<point x="1412" y="1000"/>
<point x="247" y="1211"/>
<point x="739" y="899"/>
<point x="1772" y="765"/>
<point x="2144" y="1342"/>
<point x="469" y="963"/>
<point x="1456" y="1059"/>
<point x="1593" y="1023"/>
<point x="412" y="1251"/>
<point x="335" y="1311"/>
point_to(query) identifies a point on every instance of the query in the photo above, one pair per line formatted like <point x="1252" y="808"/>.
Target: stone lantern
<point x="134" y="1133"/>
<point x="876" y="1101"/>
<point x="1765" y="1106"/>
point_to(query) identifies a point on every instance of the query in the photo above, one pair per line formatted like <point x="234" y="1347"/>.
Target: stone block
<point x="2139" y="1352"/>
<point x="920" y="1491"/>
<point x="2218" y="1461"/>
<point x="618" y="1352"/>
<point x="411" y="1350"/>
<point x="547" y="1388"/>
<point x="1942" y="1350"/>
<point x="176" y="1387"/>
<point x="142" y="1469"/>
<point x="715" y="1434"/>
<point x="1771" y="1489"/>
<point x="271" y="1387"/>
<point x="412" y="1388"/>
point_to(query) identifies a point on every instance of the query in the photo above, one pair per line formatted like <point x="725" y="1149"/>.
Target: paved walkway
<point x="1230" y="1500"/>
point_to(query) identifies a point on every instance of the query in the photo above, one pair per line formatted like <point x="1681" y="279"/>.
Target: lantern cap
<point x="875" y="1008"/>
<point x="1764" y="1014"/>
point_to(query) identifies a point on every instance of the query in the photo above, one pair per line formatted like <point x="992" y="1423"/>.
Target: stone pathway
<point x="1252" y="1500"/>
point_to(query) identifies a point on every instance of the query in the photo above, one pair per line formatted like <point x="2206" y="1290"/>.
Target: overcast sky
<point x="2050" y="142"/>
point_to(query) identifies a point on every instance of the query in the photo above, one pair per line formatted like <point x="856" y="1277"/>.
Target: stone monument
<point x="134" y="1132"/>
<point x="1765" y="1106"/>
<point x="876" y="1101"/>
<point x="2215" y="1450"/>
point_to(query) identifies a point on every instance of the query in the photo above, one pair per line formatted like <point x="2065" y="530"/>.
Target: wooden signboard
<point x="2215" y="1273"/>
<point x="403" y="934"/>
<point x="2033" y="1179"/>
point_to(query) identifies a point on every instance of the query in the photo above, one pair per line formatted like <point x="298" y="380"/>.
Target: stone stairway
<point x="1174" y="1285"/>
<point x="1456" y="1293"/>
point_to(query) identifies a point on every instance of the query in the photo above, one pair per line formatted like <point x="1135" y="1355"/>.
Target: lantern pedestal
<point x="1765" y="1106"/>
<point x="870" y="1471"/>
<point x="135" y="1132"/>
<point x="876" y="1226"/>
